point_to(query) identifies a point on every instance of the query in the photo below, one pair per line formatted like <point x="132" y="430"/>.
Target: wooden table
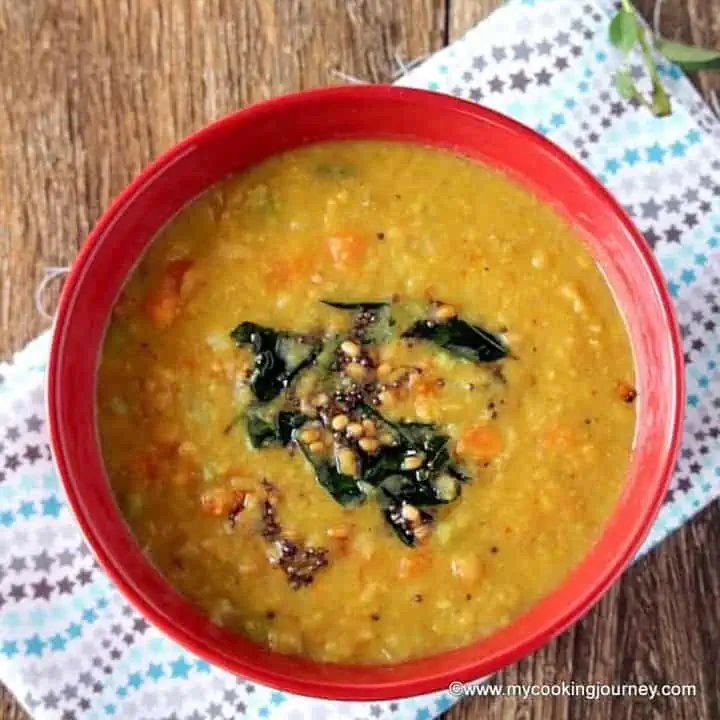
<point x="93" y="89"/>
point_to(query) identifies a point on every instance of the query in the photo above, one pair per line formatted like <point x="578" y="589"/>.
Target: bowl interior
<point x="242" y="139"/>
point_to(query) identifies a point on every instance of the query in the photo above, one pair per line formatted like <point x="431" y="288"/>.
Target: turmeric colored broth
<point x="537" y="440"/>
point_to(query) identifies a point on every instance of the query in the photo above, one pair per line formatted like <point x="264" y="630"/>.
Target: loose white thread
<point x="715" y="102"/>
<point x="51" y="273"/>
<point x="347" y="78"/>
<point x="401" y="68"/>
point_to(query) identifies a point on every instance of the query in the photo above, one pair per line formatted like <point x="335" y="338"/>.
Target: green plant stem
<point x="661" y="105"/>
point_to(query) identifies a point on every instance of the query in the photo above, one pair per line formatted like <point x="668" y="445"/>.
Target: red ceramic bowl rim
<point x="433" y="102"/>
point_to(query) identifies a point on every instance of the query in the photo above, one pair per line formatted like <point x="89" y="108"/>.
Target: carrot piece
<point x="347" y="250"/>
<point x="190" y="282"/>
<point x="162" y="308"/>
<point x="220" y="501"/>
<point x="414" y="563"/>
<point x="558" y="437"/>
<point x="480" y="442"/>
<point x="162" y="304"/>
<point x="285" y="271"/>
<point x="425" y="386"/>
<point x="175" y="272"/>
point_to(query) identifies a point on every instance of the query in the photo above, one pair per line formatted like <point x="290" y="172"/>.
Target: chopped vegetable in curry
<point x="366" y="401"/>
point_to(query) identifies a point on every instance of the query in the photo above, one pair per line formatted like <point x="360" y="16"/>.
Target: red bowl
<point x="247" y="137"/>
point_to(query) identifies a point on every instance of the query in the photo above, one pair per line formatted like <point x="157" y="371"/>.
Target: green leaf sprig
<point x="627" y="32"/>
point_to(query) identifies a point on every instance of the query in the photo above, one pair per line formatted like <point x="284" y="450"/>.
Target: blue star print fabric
<point x="72" y="648"/>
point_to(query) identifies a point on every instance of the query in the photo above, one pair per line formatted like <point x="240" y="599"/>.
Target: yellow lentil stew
<point x="366" y="401"/>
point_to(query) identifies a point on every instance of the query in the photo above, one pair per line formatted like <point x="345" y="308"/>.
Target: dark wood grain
<point x="695" y="21"/>
<point x="93" y="89"/>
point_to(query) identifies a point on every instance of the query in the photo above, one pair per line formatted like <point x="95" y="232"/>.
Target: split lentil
<point x="285" y="477"/>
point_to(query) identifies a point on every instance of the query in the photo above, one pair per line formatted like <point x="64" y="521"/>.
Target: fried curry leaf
<point x="437" y="458"/>
<point x="456" y="336"/>
<point x="343" y="488"/>
<point x="354" y="305"/>
<point x="327" y="354"/>
<point x="261" y="432"/>
<point x="416" y="487"/>
<point x="457" y="473"/>
<point x="412" y="489"/>
<point x="391" y="503"/>
<point x="383" y="320"/>
<point x="395" y="520"/>
<point x="275" y="430"/>
<point x="382" y="464"/>
<point x="287" y="423"/>
<point x="279" y="357"/>
<point x="381" y="326"/>
<point x="461" y="339"/>
<point x="410" y="434"/>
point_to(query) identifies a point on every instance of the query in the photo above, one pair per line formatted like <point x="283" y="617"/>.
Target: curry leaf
<point x="416" y="487"/>
<point x="264" y="430"/>
<point x="287" y="423"/>
<point x="382" y="464"/>
<point x="623" y="30"/>
<point x="261" y="432"/>
<point x="381" y="328"/>
<point x="279" y="357"/>
<point x="343" y="488"/>
<point x="689" y="57"/>
<point x="409" y="434"/>
<point x="625" y="84"/>
<point x="391" y="504"/>
<point x="394" y="519"/>
<point x="437" y="455"/>
<point x="408" y="489"/>
<point x="457" y="473"/>
<point x="461" y="339"/>
<point x="354" y="305"/>
<point x="327" y="354"/>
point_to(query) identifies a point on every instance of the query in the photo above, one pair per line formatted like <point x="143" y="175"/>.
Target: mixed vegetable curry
<point x="366" y="401"/>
